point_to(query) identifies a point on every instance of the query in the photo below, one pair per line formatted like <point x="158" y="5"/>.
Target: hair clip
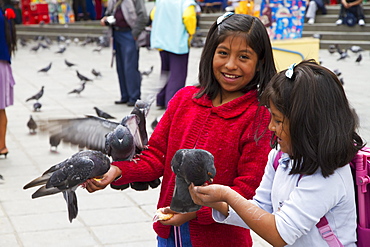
<point x="289" y="71"/>
<point x="224" y="17"/>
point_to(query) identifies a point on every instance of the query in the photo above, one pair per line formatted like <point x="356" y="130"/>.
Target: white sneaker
<point x="311" y="21"/>
<point x="361" y="22"/>
<point x="339" y="22"/>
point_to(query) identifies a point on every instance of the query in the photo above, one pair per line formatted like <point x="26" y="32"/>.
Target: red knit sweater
<point x="228" y="132"/>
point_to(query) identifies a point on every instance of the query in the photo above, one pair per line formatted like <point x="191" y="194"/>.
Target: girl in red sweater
<point x="221" y="115"/>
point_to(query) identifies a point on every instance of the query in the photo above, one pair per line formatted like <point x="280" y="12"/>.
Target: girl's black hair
<point x="322" y="124"/>
<point x="10" y="32"/>
<point x="256" y="37"/>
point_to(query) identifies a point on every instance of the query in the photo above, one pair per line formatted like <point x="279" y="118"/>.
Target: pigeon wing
<point x="88" y="132"/>
<point x="132" y="123"/>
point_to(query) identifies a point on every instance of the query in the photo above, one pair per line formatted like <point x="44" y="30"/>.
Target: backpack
<point x="350" y="19"/>
<point x="360" y="167"/>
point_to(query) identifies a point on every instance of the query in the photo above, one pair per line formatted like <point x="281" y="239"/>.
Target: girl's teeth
<point x="230" y="76"/>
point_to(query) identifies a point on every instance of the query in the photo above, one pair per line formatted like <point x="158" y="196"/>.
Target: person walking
<point x="174" y="23"/>
<point x="8" y="45"/>
<point x="127" y="19"/>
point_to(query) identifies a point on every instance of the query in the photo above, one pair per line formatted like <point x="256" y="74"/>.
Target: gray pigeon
<point x="37" y="106"/>
<point x="46" y="69"/>
<point x="32" y="126"/>
<point x="190" y="166"/>
<point x="147" y="72"/>
<point x="78" y="90"/>
<point x="96" y="73"/>
<point x="37" y="96"/>
<point x="67" y="175"/>
<point x="69" y="64"/>
<point x="103" y="114"/>
<point x="97" y="133"/>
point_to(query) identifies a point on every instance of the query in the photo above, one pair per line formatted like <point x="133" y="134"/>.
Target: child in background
<point x="223" y="116"/>
<point x="315" y="129"/>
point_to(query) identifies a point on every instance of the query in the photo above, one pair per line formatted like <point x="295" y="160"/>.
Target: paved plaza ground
<point x="109" y="217"/>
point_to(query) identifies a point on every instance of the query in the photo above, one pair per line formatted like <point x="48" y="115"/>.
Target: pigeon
<point x="359" y="58"/>
<point x="54" y="143"/>
<point x="82" y="77"/>
<point x="37" y="96"/>
<point x="96" y="133"/>
<point x="190" y="166"/>
<point x="36" y="48"/>
<point x="68" y="63"/>
<point x="337" y="72"/>
<point x="78" y="90"/>
<point x="37" y="106"/>
<point x="23" y="42"/>
<point x="1" y="177"/>
<point x="67" y="175"/>
<point x="61" y="50"/>
<point x="32" y="126"/>
<point x="46" y="69"/>
<point x="147" y="72"/>
<point x="332" y="49"/>
<point x="96" y="73"/>
<point x="356" y="48"/>
<point x="44" y="46"/>
<point x="343" y="55"/>
<point x="98" y="49"/>
<point x="103" y="114"/>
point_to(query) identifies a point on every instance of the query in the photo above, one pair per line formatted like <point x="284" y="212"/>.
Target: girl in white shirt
<point x="315" y="128"/>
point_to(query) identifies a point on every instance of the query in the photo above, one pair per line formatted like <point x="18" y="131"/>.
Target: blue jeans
<point x="179" y="236"/>
<point x="127" y="59"/>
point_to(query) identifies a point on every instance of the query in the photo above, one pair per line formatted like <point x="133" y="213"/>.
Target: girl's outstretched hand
<point x="94" y="184"/>
<point x="214" y="196"/>
<point x="178" y="218"/>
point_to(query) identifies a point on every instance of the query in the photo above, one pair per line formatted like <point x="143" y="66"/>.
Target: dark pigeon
<point x="96" y="73"/>
<point x="97" y="133"/>
<point x="46" y="69"/>
<point x="61" y="50"/>
<point x="103" y="114"/>
<point x="82" y="77"/>
<point x="37" y="96"/>
<point x="37" y="106"/>
<point x="67" y="175"/>
<point x="32" y="125"/>
<point x="190" y="166"/>
<point x="359" y="58"/>
<point x="69" y="64"/>
<point x="147" y="72"/>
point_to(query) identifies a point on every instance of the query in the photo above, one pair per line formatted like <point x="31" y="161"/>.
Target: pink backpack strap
<point x="323" y="225"/>
<point x="327" y="233"/>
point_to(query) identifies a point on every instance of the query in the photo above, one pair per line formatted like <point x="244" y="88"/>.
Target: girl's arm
<point x="220" y="197"/>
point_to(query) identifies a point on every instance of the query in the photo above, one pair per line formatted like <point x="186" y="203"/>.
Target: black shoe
<point x="130" y="103"/>
<point x="120" y="102"/>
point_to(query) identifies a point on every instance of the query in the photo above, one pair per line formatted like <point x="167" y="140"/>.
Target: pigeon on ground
<point x="46" y="69"/>
<point x="37" y="106"/>
<point x="44" y="46"/>
<point x="36" y="48"/>
<point x="67" y="175"/>
<point x="32" y="125"/>
<point x="359" y="58"/>
<point x="98" y="49"/>
<point x="96" y="73"/>
<point x="343" y="55"/>
<point x="97" y="133"/>
<point x="332" y="49"/>
<point x="337" y="72"/>
<point x="356" y="48"/>
<point x="1" y="177"/>
<point x="103" y="114"/>
<point x="147" y="72"/>
<point x="61" y="50"/>
<point x="37" y="96"/>
<point x="68" y="63"/>
<point x="54" y="143"/>
<point x="82" y="77"/>
<point x="78" y="90"/>
<point x="190" y="166"/>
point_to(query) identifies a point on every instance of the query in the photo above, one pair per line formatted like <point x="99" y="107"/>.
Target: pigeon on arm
<point x="67" y="175"/>
<point x="190" y="166"/>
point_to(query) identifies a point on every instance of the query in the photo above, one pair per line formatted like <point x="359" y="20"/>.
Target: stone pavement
<point x="108" y="217"/>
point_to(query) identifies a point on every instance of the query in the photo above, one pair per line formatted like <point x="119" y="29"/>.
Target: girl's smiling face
<point x="279" y="124"/>
<point x="234" y="65"/>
